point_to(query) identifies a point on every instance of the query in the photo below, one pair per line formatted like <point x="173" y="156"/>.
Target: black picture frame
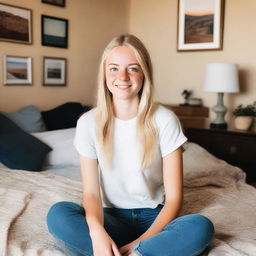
<point x="16" y="24"/>
<point x="54" y="31"/>
<point x="60" y="3"/>
<point x="54" y="71"/>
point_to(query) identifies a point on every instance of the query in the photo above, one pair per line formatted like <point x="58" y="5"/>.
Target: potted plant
<point x="244" y="115"/>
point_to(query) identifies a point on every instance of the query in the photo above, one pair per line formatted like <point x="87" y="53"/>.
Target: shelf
<point x="188" y="111"/>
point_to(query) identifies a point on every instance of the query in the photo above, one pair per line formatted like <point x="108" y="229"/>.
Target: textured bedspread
<point x="212" y="188"/>
<point x="23" y="211"/>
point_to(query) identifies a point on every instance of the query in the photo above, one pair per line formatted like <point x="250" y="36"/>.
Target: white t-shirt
<point x="125" y="185"/>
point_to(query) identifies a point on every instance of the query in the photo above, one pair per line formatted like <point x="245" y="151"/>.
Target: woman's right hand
<point x="102" y="244"/>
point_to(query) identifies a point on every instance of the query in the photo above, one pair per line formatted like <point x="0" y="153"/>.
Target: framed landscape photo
<point x="54" y="71"/>
<point x="17" y="70"/>
<point x="54" y="31"/>
<point x="15" y="24"/>
<point x="200" y="25"/>
<point x="55" y="2"/>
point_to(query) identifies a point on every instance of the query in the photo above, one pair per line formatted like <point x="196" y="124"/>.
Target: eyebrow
<point x="132" y="64"/>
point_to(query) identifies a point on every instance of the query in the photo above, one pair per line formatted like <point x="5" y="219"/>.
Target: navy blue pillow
<point x="20" y="150"/>
<point x="63" y="117"/>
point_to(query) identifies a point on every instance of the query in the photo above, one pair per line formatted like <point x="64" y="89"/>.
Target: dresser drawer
<point x="235" y="149"/>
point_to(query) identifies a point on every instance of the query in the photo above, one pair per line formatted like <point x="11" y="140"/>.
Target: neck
<point x="125" y="109"/>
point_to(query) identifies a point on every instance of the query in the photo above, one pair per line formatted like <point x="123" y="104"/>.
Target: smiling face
<point x="124" y="76"/>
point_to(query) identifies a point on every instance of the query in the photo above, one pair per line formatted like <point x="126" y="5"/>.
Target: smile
<point x="123" y="86"/>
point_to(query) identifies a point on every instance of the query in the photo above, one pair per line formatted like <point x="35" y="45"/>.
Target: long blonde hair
<point x="146" y="128"/>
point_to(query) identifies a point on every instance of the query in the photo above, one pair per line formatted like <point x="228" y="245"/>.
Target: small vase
<point x="243" y="122"/>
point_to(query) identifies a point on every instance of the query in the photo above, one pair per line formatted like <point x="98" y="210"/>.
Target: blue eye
<point x="133" y="69"/>
<point x="113" y="69"/>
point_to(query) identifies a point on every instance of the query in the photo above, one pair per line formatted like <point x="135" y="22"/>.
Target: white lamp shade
<point x="221" y="77"/>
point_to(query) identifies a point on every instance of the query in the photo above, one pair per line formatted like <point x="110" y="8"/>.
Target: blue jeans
<point x="188" y="235"/>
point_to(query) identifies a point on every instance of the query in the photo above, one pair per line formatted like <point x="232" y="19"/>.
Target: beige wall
<point x="92" y="23"/>
<point x="155" y="22"/>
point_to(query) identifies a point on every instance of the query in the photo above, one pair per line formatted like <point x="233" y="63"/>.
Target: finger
<point x="123" y="249"/>
<point x="127" y="253"/>
<point x="115" y="250"/>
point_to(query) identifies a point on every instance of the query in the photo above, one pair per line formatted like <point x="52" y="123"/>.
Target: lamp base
<point x="220" y="111"/>
<point x="218" y="126"/>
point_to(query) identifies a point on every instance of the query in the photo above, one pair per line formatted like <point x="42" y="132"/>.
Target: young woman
<point x="131" y="162"/>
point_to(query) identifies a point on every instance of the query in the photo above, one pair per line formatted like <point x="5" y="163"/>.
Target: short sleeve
<point x="171" y="135"/>
<point x="84" y="140"/>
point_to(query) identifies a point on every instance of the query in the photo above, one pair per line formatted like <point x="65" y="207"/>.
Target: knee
<point x="198" y="226"/>
<point x="204" y="222"/>
<point x="203" y="226"/>
<point x="59" y="212"/>
<point x="58" y="209"/>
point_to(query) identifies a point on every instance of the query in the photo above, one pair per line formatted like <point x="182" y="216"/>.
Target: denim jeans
<point x="188" y="235"/>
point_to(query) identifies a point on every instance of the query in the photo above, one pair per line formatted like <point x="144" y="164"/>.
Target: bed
<point x="212" y="188"/>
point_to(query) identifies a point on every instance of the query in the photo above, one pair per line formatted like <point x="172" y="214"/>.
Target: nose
<point x="123" y="75"/>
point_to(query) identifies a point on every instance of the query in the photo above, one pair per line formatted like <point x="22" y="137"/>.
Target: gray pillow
<point x="28" y="118"/>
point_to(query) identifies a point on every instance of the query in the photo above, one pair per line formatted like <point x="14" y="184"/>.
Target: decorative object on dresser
<point x="189" y="101"/>
<point x="244" y="116"/>
<point x="185" y="94"/>
<point x="221" y="78"/>
<point x="236" y="147"/>
<point x="190" y="116"/>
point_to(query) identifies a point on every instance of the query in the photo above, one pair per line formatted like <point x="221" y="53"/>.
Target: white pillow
<point x="61" y="141"/>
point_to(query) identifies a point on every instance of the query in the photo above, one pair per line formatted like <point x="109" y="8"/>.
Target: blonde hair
<point x="146" y="128"/>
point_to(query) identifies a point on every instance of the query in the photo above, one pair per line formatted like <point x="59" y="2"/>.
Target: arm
<point x="173" y="185"/>
<point x="101" y="241"/>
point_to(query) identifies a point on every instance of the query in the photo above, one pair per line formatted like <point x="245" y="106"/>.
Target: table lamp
<point x="221" y="78"/>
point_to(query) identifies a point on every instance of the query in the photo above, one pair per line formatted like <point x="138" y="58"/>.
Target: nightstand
<point x="236" y="147"/>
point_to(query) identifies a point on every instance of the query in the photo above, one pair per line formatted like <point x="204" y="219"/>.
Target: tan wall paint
<point x="92" y="23"/>
<point x="155" y="22"/>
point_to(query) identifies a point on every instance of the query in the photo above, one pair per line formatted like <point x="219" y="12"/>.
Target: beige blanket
<point x="23" y="211"/>
<point x="212" y="188"/>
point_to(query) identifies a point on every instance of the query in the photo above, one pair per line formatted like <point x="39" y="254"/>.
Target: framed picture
<point x="17" y="70"/>
<point x="54" y="31"/>
<point x="200" y="25"/>
<point x="55" y="2"/>
<point x="54" y="71"/>
<point x="15" y="24"/>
